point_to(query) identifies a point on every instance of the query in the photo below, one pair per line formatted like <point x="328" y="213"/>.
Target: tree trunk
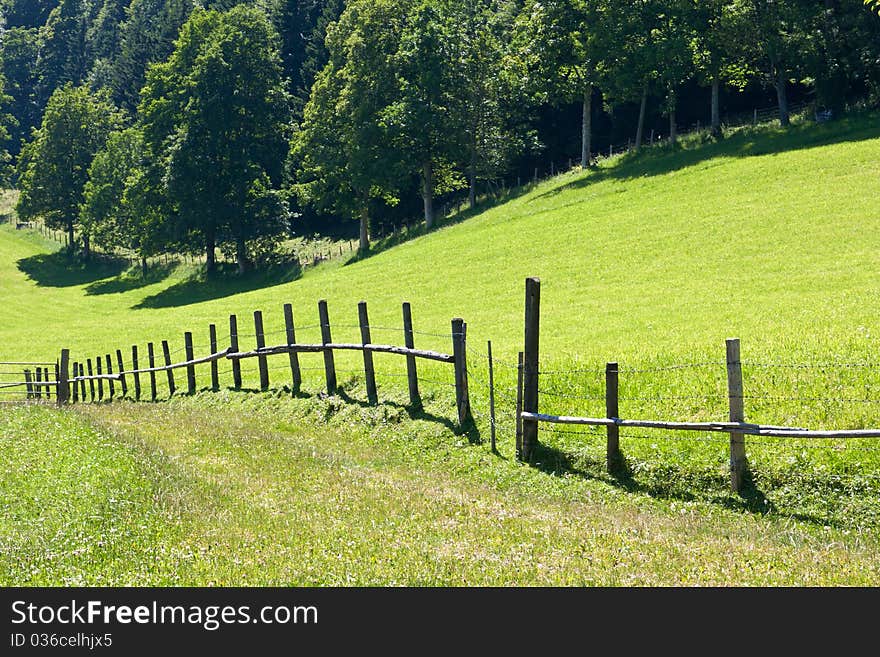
<point x="587" y="127"/>
<point x="244" y="264"/>
<point x="781" y="95"/>
<point x="472" y="176"/>
<point x="87" y="250"/>
<point x="70" y="237"/>
<point x="210" y="256"/>
<point x="716" y="110"/>
<point x="143" y="266"/>
<point x="428" y="193"/>
<point x="642" y="108"/>
<point x="673" y="131"/>
<point x="364" y="244"/>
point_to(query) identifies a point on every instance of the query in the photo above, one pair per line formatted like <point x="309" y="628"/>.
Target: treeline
<point x="179" y="125"/>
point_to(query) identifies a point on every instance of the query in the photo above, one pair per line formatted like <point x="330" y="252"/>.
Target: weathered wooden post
<point x="491" y="396"/>
<point x="75" y="387"/>
<point x="530" y="364"/>
<point x="166" y="354"/>
<point x="122" y="383"/>
<point x="63" y="377"/>
<point x="369" y="371"/>
<point x="135" y="375"/>
<point x="99" y="370"/>
<point x="82" y="383"/>
<point x="411" y="373"/>
<point x="612" y="449"/>
<point x="329" y="365"/>
<point x="190" y="369"/>
<point x="262" y="362"/>
<point x="295" y="375"/>
<point x="519" y="406"/>
<point x="111" y="387"/>
<point x="28" y="385"/>
<point x="737" y="414"/>
<point x="38" y="380"/>
<point x="215" y="371"/>
<point x="459" y="353"/>
<point x="46" y="379"/>
<point x="233" y="347"/>
<point x="91" y="380"/>
<point x="151" y="363"/>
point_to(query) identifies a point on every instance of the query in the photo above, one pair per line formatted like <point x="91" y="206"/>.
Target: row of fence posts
<point x="37" y="383"/>
<point x="97" y="367"/>
<point x="527" y="395"/>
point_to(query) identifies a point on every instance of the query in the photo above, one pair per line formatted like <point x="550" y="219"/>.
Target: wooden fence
<point x="28" y="381"/>
<point x="86" y="381"/>
<point x="528" y="417"/>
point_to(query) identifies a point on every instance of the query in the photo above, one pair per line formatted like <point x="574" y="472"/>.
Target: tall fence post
<point x="99" y="371"/>
<point x="612" y="450"/>
<point x="459" y="352"/>
<point x="166" y="354"/>
<point x="233" y="347"/>
<point x="491" y="396"/>
<point x="135" y="375"/>
<point x="295" y="375"/>
<point x="38" y="380"/>
<point x="411" y="373"/>
<point x="261" y="344"/>
<point x="190" y="369"/>
<point x="122" y="383"/>
<point x="737" y="414"/>
<point x="215" y="370"/>
<point x="151" y="363"/>
<point x="110" y="385"/>
<point x="530" y="364"/>
<point x="63" y="386"/>
<point x="82" y="383"/>
<point x="329" y="365"/>
<point x="369" y="371"/>
<point x="91" y="381"/>
<point x="519" y="407"/>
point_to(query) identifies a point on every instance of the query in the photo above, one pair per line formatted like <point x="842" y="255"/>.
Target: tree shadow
<point x="751" y="499"/>
<point x="746" y="142"/>
<point x="60" y="269"/>
<point x="132" y="279"/>
<point x="226" y="282"/>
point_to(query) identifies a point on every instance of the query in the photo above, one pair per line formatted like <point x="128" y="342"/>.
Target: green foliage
<point x="54" y="166"/>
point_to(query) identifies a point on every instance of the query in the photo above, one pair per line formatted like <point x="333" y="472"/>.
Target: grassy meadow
<point x="651" y="260"/>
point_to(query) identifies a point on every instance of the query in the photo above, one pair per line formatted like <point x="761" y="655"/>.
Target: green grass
<point x="651" y="260"/>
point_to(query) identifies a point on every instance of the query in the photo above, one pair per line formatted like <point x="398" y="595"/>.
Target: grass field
<point x="652" y="261"/>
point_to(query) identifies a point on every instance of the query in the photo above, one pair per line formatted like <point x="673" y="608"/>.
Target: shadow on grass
<point x="669" y="483"/>
<point x="747" y="142"/>
<point x="226" y="282"/>
<point x="60" y="269"/>
<point x="132" y="279"/>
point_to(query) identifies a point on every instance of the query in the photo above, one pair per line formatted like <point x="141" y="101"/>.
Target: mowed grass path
<point x="242" y="490"/>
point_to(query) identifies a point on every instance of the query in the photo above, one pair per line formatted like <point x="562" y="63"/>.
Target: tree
<point x="341" y="152"/>
<point x="18" y="62"/>
<point x="54" y="168"/>
<point x="215" y="120"/>
<point x="5" y="120"/>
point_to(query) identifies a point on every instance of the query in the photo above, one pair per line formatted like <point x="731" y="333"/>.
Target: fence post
<point x="519" y="422"/>
<point x="459" y="352"/>
<point x="530" y="364"/>
<point x="215" y="371"/>
<point x="151" y="362"/>
<point x="110" y="386"/>
<point x="166" y="353"/>
<point x="38" y="379"/>
<point x="135" y="375"/>
<point x="99" y="370"/>
<point x="82" y="384"/>
<point x="612" y="450"/>
<point x="63" y="385"/>
<point x="329" y="365"/>
<point x="190" y="369"/>
<point x="411" y="372"/>
<point x="233" y="347"/>
<point x="91" y="381"/>
<point x="491" y="397"/>
<point x="122" y="383"/>
<point x="47" y="387"/>
<point x="735" y="400"/>
<point x="261" y="343"/>
<point x="295" y="375"/>
<point x="27" y="384"/>
<point x="369" y="371"/>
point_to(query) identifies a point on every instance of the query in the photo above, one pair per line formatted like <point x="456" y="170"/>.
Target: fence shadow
<point x="748" y="142"/>
<point x="60" y="269"/>
<point x="226" y="282"/>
